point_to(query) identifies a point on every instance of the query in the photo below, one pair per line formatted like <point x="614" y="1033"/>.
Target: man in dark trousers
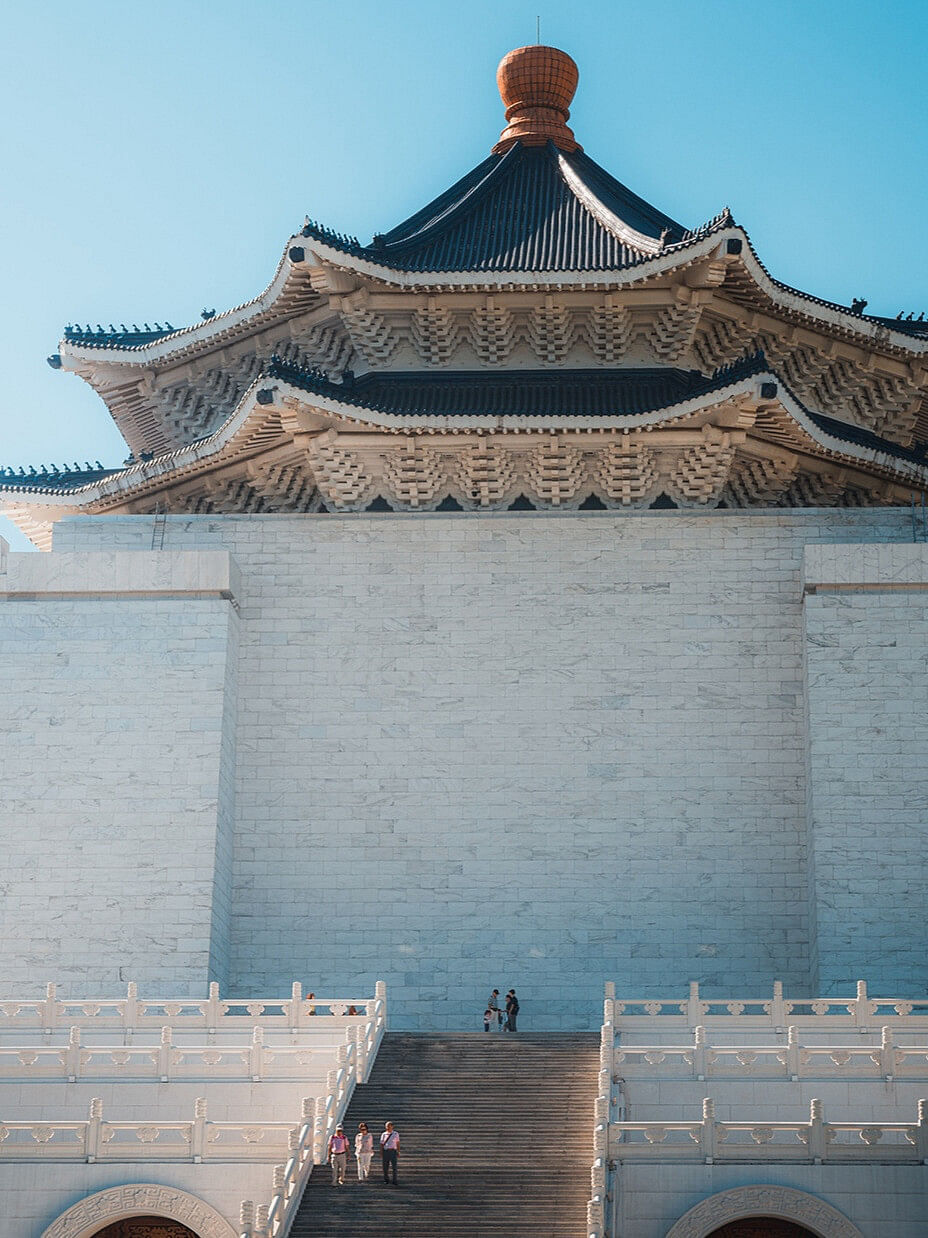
<point x="389" y="1151"/>
<point x="512" y="1010"/>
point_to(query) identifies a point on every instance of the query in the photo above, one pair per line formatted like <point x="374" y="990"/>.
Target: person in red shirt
<point x="338" y="1156"/>
<point x="389" y="1151"/>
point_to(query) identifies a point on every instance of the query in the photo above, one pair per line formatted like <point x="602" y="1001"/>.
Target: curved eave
<point x="291" y="282"/>
<point x="887" y="463"/>
<point x="232" y="439"/>
<point x="705" y="243"/>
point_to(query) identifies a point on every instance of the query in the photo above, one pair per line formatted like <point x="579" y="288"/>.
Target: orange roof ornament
<point x="537" y="85"/>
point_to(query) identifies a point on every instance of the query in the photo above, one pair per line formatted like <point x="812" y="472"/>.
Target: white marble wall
<point x="35" y="1195"/>
<point x="530" y="750"/>
<point x="883" y="1201"/>
<point x="866" y="622"/>
<point x="115" y="723"/>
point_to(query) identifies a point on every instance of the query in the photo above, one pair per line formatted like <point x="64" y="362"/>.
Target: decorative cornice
<point x="763" y="1200"/>
<point x="89" y="1215"/>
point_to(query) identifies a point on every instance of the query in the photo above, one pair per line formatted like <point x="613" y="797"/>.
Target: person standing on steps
<point x="338" y="1156"/>
<point x="363" y="1151"/>
<point x="389" y="1151"/>
<point x="512" y="1010"/>
<point x="493" y="1004"/>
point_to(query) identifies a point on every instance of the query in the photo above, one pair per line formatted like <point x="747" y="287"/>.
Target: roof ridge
<point x="446" y="214"/>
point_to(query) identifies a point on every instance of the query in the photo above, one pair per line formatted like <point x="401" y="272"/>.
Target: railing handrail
<point x="859" y="1010"/>
<point x="309" y="1144"/>
<point x="816" y="1139"/>
<point x="132" y="1011"/>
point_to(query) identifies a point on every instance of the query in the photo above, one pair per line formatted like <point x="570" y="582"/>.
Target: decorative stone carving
<point x="414" y="475"/>
<point x="697" y="474"/>
<point x="370" y="334"/>
<point x="627" y="473"/>
<point x="326" y="346"/>
<point x="551" y="330"/>
<point x="718" y="342"/>
<point x="672" y="334"/>
<point x="780" y="1202"/>
<point x="555" y="472"/>
<point x="754" y="482"/>
<point x="485" y="475"/>
<point x="434" y="333"/>
<point x="89" y="1215"/>
<point x="285" y="487"/>
<point x="341" y="476"/>
<point x="492" y="332"/>
<point x="609" y="331"/>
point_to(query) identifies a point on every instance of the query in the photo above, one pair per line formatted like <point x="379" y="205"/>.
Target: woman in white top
<point x="364" y="1151"/>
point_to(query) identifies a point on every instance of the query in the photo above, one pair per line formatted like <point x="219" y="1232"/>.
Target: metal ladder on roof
<point x="157" y="529"/>
<point x="915" y="520"/>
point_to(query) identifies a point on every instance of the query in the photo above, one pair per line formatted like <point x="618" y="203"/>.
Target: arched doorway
<point x="763" y="1210"/>
<point x="146" y="1227"/>
<point x="762" y="1227"/>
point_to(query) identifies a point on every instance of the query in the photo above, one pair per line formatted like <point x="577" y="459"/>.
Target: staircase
<point x="496" y="1139"/>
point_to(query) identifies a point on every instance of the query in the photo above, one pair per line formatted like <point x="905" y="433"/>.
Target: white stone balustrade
<point x="826" y="1015"/>
<point x="214" y="1015"/>
<point x="792" y="1060"/>
<point x="815" y="1141"/>
<point x="99" y="1140"/>
<point x="308" y="1144"/>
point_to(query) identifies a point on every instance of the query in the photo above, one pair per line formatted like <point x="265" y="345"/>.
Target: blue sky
<point x="156" y="157"/>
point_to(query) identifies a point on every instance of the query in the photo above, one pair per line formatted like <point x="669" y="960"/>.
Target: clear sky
<point x="156" y="157"/>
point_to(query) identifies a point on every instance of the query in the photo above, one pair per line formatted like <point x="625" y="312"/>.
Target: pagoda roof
<point x="545" y="395"/>
<point x="532" y="208"/>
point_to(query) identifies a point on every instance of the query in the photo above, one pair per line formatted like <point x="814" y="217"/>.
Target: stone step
<point x="496" y="1140"/>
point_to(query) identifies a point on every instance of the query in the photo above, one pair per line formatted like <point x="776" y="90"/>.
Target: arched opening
<point x="762" y="1227"/>
<point x="146" y="1227"/>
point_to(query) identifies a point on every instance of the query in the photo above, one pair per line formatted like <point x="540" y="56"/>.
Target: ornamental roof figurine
<point x="537" y="335"/>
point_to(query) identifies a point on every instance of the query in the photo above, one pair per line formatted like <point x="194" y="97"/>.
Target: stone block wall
<point x="866" y="625"/>
<point x="116" y="726"/>
<point x="533" y="750"/>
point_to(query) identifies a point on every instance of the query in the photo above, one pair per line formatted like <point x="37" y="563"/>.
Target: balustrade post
<point x="49" y="1012"/>
<point x="707" y="1134"/>
<point x="279" y="1180"/>
<point x="308" y="1115"/>
<point x="213" y="1010"/>
<point x="606" y="1057"/>
<point x="921" y="1134"/>
<point x="355" y="1040"/>
<point x="319" y="1132"/>
<point x="130" y="1011"/>
<point x="816" y="1132"/>
<point x="72" y="1067"/>
<point x="694" y="1005"/>
<point x="198" y="1134"/>
<point x="778" y="1014"/>
<point x="700" y="1058"/>
<point x="887" y="1054"/>
<point x="296" y="1005"/>
<point x="792" y="1052"/>
<point x="92" y="1131"/>
<point x="380" y="992"/>
<point x="164" y="1054"/>
<point x="256" y="1055"/>
<point x="595" y="1219"/>
<point x="247" y="1218"/>
<point x="261" y="1219"/>
<point x="861" y="1006"/>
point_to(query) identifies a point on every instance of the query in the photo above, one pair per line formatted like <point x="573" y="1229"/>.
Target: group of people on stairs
<point x="339" y="1150"/>
<point x="493" y="1015"/>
